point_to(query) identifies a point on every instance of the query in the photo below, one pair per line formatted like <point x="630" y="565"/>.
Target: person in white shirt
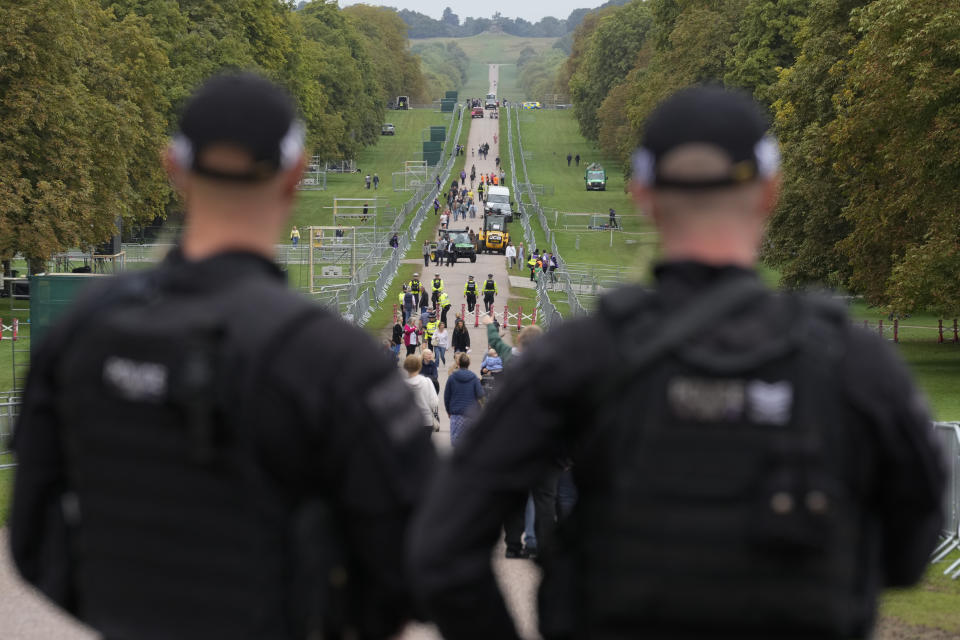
<point x="424" y="395"/>
<point x="511" y="254"/>
<point x="441" y="340"/>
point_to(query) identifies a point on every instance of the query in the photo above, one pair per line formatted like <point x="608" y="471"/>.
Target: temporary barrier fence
<point x="526" y="189"/>
<point x="948" y="436"/>
<point x="9" y="410"/>
<point x="360" y="310"/>
<point x="949" y="332"/>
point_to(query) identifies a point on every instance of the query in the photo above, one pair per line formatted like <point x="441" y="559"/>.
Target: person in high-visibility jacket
<point x="470" y="292"/>
<point x="430" y="329"/>
<point x="436" y="287"/>
<point x="532" y="263"/>
<point x="414" y="285"/>
<point x="489" y="291"/>
<point x="443" y="301"/>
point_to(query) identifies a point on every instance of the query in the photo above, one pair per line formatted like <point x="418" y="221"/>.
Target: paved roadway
<point x="26" y="616"/>
<point x="518" y="578"/>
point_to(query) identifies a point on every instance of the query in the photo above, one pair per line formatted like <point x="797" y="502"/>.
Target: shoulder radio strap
<point x="683" y="323"/>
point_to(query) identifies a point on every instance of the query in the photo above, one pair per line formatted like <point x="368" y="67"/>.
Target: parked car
<point x="388" y="130"/>
<point x="476" y="112"/>
<point x="532" y="105"/>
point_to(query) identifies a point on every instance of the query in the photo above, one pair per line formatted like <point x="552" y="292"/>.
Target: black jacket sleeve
<point x="39" y="531"/>
<point x="910" y="474"/>
<point x="362" y="448"/>
<point x="513" y="443"/>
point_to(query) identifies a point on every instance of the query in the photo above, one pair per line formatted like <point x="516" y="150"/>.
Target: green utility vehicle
<point x="462" y="246"/>
<point x="595" y="178"/>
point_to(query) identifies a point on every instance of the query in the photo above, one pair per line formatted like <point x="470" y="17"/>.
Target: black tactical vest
<point x="176" y="523"/>
<point x="726" y="511"/>
<point x="472" y="287"/>
<point x="489" y="286"/>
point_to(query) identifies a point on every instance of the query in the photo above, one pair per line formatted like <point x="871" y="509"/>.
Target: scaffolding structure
<point x="328" y="248"/>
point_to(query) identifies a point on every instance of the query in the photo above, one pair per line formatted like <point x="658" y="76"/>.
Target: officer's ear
<point x="643" y="199"/>
<point x="771" y="194"/>
<point x="293" y="176"/>
<point x="177" y="174"/>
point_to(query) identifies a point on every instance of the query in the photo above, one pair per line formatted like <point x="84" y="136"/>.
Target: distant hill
<point x="449" y="25"/>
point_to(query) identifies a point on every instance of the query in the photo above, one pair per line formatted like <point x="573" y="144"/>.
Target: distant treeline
<point x="449" y="25"/>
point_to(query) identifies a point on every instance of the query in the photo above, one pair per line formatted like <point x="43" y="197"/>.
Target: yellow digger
<point x="494" y="236"/>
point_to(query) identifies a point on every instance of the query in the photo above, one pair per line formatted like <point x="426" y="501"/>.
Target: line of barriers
<point x="548" y="310"/>
<point x="948" y="435"/>
<point x="9" y="410"/>
<point x="508" y="318"/>
<point x="562" y="276"/>
<point x="361" y="305"/>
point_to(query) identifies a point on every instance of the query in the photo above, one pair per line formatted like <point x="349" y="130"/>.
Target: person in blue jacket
<point x="461" y="397"/>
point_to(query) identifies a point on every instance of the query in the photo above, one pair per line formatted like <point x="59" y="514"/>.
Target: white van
<point x="498" y="201"/>
<point x="491" y="101"/>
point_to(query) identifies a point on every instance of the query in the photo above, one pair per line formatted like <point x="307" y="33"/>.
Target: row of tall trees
<point x="445" y="66"/>
<point x="864" y="96"/>
<point x="90" y="89"/>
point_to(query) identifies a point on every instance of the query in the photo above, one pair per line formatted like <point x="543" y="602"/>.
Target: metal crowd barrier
<point x="9" y="410"/>
<point x="948" y="435"/>
<point x="363" y="302"/>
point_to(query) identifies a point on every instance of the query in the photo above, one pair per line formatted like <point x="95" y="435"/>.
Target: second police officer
<point x="470" y="292"/>
<point x="749" y="464"/>
<point x="489" y="291"/>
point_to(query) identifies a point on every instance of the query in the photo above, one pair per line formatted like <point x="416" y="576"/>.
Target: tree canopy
<point x="865" y="99"/>
<point x="90" y="89"/>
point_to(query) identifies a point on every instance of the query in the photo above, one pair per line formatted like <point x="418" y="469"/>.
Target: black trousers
<point x="471" y="301"/>
<point x="426" y="259"/>
<point x="488" y="301"/>
<point x="443" y="314"/>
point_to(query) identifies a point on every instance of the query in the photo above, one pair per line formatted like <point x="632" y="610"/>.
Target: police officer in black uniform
<point x="749" y="464"/>
<point x="188" y="468"/>
<point x="489" y="291"/>
<point x="470" y="292"/>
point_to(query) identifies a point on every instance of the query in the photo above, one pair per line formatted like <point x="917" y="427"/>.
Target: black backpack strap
<point x="673" y="329"/>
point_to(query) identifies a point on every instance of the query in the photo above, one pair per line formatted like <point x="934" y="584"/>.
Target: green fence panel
<point x="50" y="297"/>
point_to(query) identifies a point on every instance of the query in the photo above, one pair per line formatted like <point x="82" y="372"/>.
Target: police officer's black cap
<point x="731" y="122"/>
<point x="242" y="110"/>
<point x="489" y="275"/>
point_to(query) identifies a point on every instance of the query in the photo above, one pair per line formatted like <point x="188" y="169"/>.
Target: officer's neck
<point x="719" y="247"/>
<point x="206" y="236"/>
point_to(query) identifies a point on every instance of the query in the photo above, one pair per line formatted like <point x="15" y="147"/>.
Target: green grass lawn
<point x="933" y="604"/>
<point x="6" y="487"/>
<point x="494" y="48"/>
<point x="548" y="136"/>
<point x="486" y="49"/>
<point x="386" y="157"/>
<point x="7" y="355"/>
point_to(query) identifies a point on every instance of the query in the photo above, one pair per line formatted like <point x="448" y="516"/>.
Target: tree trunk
<point x="36" y="265"/>
<point x="7" y="273"/>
